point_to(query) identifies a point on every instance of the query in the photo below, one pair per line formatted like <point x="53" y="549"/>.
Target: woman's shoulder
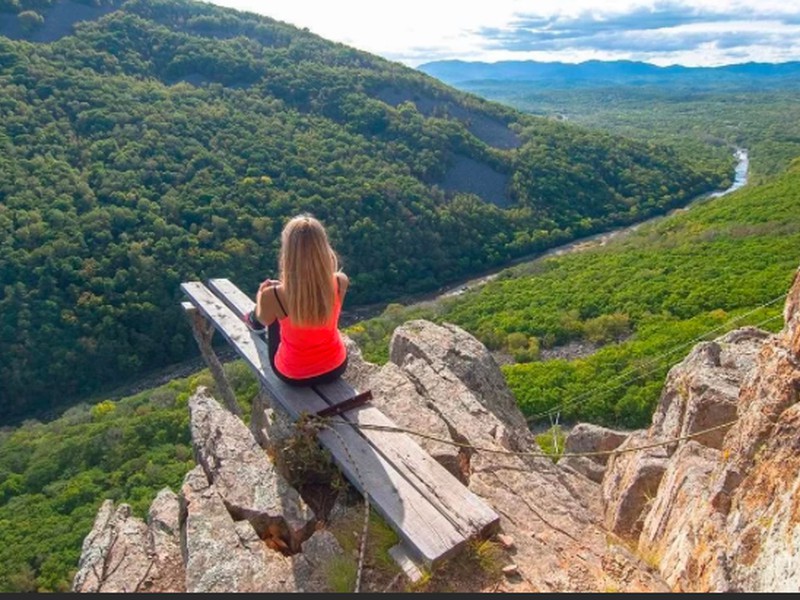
<point x="342" y="281"/>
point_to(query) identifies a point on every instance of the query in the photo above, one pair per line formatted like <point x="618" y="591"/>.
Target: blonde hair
<point x="307" y="268"/>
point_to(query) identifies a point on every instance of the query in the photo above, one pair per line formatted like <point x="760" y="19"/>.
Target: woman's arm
<point x="266" y="307"/>
<point x="344" y="283"/>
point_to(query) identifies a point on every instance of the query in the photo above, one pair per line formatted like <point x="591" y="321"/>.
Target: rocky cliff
<point x="721" y="511"/>
<point x="718" y="511"/>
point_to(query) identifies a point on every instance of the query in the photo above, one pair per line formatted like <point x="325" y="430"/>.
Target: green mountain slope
<point x="645" y="299"/>
<point x="169" y="140"/>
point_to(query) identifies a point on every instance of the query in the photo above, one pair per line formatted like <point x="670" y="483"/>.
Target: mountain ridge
<point x="597" y="72"/>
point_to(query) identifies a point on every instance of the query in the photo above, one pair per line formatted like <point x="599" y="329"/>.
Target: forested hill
<point x="161" y="141"/>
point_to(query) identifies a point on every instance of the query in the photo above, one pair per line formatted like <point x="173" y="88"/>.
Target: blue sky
<point x="663" y="32"/>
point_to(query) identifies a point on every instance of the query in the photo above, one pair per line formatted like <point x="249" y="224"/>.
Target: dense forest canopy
<point x="169" y="140"/>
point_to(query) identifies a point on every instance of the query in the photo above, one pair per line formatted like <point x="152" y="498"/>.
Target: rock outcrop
<point x="246" y="480"/>
<point x="724" y="513"/>
<point x="125" y="554"/>
<point x="442" y="382"/>
<point x="236" y="525"/>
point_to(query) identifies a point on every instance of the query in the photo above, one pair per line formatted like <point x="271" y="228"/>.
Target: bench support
<point x="203" y="332"/>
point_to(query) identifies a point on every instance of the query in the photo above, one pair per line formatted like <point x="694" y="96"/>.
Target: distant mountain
<point x="151" y="142"/>
<point x="594" y="72"/>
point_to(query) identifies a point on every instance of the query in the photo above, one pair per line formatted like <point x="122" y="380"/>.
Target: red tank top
<point x="311" y="351"/>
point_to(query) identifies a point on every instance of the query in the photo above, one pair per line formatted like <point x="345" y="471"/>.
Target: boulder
<point x="630" y="484"/>
<point x="551" y="513"/>
<point x="701" y="392"/>
<point x="123" y="554"/>
<point x="246" y="480"/>
<point x="468" y="360"/>
<point x="583" y="466"/>
<point x="585" y="437"/>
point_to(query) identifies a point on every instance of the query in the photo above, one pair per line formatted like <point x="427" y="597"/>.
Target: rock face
<point x="123" y="554"/>
<point x="246" y="480"/>
<point x="700" y="394"/>
<point x="236" y="526"/>
<point x="223" y="555"/>
<point x="441" y="381"/>
<point x="724" y="514"/>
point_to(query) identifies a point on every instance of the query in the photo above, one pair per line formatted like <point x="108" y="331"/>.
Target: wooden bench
<point x="433" y="513"/>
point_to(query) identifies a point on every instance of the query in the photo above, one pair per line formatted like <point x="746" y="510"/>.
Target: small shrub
<point x="552" y="441"/>
<point x="340" y="574"/>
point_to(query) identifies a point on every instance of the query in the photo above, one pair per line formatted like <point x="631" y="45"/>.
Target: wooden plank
<point x="427" y="533"/>
<point x="470" y="515"/>
<point x="234" y="298"/>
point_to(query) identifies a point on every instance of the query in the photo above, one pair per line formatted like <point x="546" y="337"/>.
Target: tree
<point x="30" y="20"/>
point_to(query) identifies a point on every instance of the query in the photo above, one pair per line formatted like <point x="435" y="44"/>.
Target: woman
<point x="302" y="308"/>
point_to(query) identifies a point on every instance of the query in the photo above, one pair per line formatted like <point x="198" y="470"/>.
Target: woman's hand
<point x="268" y="283"/>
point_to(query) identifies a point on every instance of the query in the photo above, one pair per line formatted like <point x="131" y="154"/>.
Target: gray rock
<point x="451" y="347"/>
<point x="222" y="556"/>
<point x="702" y="391"/>
<point x="269" y="423"/>
<point x="121" y="554"/>
<point x="553" y="514"/>
<point x="245" y="478"/>
<point x="584" y="466"/>
<point x="359" y="372"/>
<point x="585" y="437"/>
<point x="630" y="484"/>
<point x="163" y="524"/>
<point x="679" y="514"/>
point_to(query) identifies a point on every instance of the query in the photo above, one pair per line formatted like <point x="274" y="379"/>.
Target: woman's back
<point x="302" y="308"/>
<point x="308" y="351"/>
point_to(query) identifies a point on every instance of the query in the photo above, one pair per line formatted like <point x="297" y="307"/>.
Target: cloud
<point x="666" y="26"/>
<point x="691" y="32"/>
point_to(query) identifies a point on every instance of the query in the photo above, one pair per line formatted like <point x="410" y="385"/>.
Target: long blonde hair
<point x="307" y="268"/>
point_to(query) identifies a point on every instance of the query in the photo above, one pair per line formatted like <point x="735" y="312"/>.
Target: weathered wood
<point x="468" y="513"/>
<point x="428" y="534"/>
<point x="234" y="298"/>
<point x="203" y="332"/>
<point x="400" y="555"/>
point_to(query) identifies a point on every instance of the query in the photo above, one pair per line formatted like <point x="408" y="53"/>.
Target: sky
<point x="662" y="32"/>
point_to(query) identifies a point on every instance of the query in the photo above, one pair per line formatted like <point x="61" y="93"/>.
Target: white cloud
<point x="417" y="31"/>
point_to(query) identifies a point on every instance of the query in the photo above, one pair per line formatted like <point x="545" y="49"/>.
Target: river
<point x="360" y="313"/>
